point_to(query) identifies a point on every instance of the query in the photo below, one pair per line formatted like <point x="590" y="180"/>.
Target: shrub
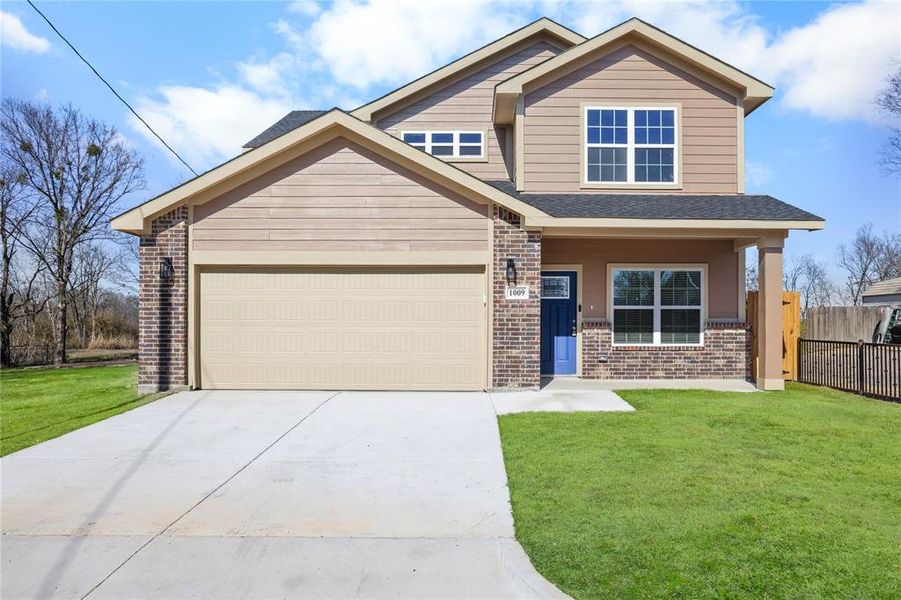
<point x="115" y="342"/>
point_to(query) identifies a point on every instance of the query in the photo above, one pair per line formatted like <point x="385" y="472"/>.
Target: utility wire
<point x="91" y="67"/>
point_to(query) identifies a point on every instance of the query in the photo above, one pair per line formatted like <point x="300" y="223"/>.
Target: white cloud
<point x="269" y="76"/>
<point x="15" y="35"/>
<point x="290" y="34"/>
<point x="757" y="174"/>
<point x="393" y="41"/>
<point x="835" y="66"/>
<point x="205" y="125"/>
<point x="310" y="8"/>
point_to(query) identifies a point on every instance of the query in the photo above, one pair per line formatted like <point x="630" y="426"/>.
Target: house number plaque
<point x="517" y="292"/>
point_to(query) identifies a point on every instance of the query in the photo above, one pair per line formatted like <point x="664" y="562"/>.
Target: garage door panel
<point x="293" y="329"/>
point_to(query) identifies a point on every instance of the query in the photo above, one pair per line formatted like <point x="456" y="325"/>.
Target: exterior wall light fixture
<point x="511" y="270"/>
<point x="166" y="269"/>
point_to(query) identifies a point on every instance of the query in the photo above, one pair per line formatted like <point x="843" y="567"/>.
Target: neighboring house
<point x="886" y="292"/>
<point x="546" y="205"/>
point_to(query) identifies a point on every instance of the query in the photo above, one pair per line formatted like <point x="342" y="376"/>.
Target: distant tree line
<point x="66" y="279"/>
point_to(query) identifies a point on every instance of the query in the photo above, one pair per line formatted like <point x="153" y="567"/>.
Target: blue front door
<point x="558" y="322"/>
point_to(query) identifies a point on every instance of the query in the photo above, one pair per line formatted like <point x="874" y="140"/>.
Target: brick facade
<point x="725" y="354"/>
<point x="163" y="316"/>
<point x="516" y="339"/>
<point x="516" y="356"/>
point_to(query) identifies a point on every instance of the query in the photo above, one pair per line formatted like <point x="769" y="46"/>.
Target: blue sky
<point x="210" y="75"/>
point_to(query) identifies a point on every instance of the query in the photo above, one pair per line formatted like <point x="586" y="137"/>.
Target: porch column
<point x="769" y="313"/>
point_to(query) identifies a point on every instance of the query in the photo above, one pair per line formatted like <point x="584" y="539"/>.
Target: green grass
<point x="40" y="404"/>
<point x="794" y="494"/>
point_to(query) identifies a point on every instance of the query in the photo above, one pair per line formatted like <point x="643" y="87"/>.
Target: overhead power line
<point x="115" y="93"/>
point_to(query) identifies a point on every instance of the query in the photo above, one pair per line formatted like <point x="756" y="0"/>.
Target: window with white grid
<point x="448" y="144"/>
<point x="657" y="306"/>
<point x="631" y="145"/>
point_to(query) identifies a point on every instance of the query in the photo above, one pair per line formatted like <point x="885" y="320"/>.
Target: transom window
<point x="448" y="144"/>
<point x="630" y="145"/>
<point x="555" y="286"/>
<point x="657" y="306"/>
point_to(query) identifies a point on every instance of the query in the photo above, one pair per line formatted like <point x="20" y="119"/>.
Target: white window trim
<point x="657" y="268"/>
<point x="630" y="146"/>
<point x="456" y="143"/>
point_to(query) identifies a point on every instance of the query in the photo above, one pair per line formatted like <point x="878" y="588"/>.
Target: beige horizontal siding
<point x="552" y="130"/>
<point x="329" y="234"/>
<point x="595" y="254"/>
<point x="342" y="246"/>
<point x="466" y="105"/>
<point x="317" y="202"/>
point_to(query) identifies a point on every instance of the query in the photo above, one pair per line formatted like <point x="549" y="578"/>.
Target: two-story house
<point x="546" y="205"/>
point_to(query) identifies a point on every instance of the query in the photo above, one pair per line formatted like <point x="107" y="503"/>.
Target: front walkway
<point x="268" y="494"/>
<point x="715" y="385"/>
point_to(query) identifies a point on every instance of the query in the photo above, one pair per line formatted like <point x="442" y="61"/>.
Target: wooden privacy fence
<point x="791" y="332"/>
<point x="860" y="367"/>
<point x="842" y="323"/>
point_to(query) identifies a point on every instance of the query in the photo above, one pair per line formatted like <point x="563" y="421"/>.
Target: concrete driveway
<point x="268" y="494"/>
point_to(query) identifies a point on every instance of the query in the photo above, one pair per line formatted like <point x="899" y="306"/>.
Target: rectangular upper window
<point x="652" y="306"/>
<point x="625" y="145"/>
<point x="448" y="144"/>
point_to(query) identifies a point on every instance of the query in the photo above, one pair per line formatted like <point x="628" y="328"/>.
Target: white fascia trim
<point x="663" y="224"/>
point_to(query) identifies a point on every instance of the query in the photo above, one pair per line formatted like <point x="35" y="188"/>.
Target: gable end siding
<point x="341" y="196"/>
<point x="466" y="105"/>
<point x="552" y="129"/>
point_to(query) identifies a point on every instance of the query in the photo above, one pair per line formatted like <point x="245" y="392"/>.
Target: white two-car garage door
<point x="342" y="329"/>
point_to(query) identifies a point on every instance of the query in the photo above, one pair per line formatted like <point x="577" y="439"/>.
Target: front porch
<point x="654" y="308"/>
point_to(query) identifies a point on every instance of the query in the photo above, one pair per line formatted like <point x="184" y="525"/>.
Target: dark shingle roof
<point x="289" y="122"/>
<point x="660" y="206"/>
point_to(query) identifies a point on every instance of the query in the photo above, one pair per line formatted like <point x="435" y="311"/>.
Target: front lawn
<point x="40" y="404"/>
<point x="706" y="494"/>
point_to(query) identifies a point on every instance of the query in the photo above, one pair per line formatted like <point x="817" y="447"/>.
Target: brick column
<point x="769" y="314"/>
<point x="163" y="313"/>
<point x="516" y="356"/>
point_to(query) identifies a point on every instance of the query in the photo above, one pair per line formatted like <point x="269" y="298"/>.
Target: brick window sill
<point x="658" y="348"/>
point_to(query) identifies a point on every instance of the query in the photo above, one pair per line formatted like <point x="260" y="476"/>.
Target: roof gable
<point x="543" y="28"/>
<point x="635" y="31"/>
<point x="335" y="123"/>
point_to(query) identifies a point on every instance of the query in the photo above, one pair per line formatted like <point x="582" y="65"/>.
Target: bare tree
<point x="94" y="263"/>
<point x="78" y="170"/>
<point x="889" y="101"/>
<point x="751" y="278"/>
<point x="861" y="261"/>
<point x="889" y="263"/>
<point x="809" y="277"/>
<point x="15" y="213"/>
<point x="130" y="257"/>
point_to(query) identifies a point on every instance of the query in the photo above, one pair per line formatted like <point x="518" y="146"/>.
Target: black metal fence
<point x="860" y="367"/>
